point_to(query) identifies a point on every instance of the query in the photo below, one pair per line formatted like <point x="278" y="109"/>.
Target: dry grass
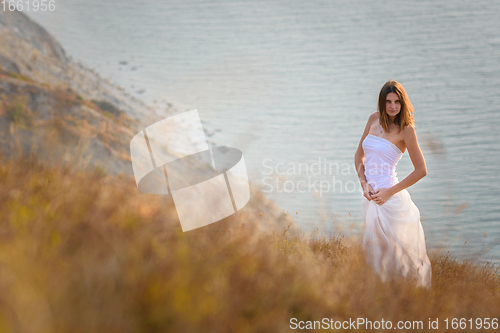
<point x="84" y="252"/>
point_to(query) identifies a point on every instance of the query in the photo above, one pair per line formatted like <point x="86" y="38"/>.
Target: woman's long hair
<point x="405" y="116"/>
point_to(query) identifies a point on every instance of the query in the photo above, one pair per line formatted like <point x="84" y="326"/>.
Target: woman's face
<point x="392" y="104"/>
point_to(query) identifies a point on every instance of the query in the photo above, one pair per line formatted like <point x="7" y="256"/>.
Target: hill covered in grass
<point x="85" y="252"/>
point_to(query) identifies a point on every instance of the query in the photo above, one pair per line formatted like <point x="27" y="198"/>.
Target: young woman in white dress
<point x="393" y="243"/>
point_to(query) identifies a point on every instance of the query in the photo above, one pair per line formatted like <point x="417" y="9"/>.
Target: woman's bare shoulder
<point x="409" y="133"/>
<point x="409" y="129"/>
<point x="374" y="116"/>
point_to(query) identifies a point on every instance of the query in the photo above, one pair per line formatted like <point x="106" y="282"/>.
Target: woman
<point x="394" y="243"/>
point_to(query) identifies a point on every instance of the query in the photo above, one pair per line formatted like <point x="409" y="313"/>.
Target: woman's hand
<point x="382" y="196"/>
<point x="368" y="191"/>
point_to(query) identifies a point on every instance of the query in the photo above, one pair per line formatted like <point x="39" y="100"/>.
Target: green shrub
<point x="106" y="106"/>
<point x="18" y="111"/>
<point x="20" y="77"/>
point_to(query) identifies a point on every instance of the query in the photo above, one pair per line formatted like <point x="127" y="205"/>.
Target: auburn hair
<point x="405" y="116"/>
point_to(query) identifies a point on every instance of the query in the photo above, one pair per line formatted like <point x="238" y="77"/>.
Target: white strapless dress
<point x="394" y="243"/>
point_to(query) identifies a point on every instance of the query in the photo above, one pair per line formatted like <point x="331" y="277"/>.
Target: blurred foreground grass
<point x="86" y="252"/>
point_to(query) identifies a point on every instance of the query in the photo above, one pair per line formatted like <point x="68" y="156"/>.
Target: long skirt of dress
<point x="394" y="242"/>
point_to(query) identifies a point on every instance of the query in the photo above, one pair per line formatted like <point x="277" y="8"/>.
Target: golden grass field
<point x="84" y="252"/>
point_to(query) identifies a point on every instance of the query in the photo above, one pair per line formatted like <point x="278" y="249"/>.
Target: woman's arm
<point x="359" y="157"/>
<point x="417" y="158"/>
